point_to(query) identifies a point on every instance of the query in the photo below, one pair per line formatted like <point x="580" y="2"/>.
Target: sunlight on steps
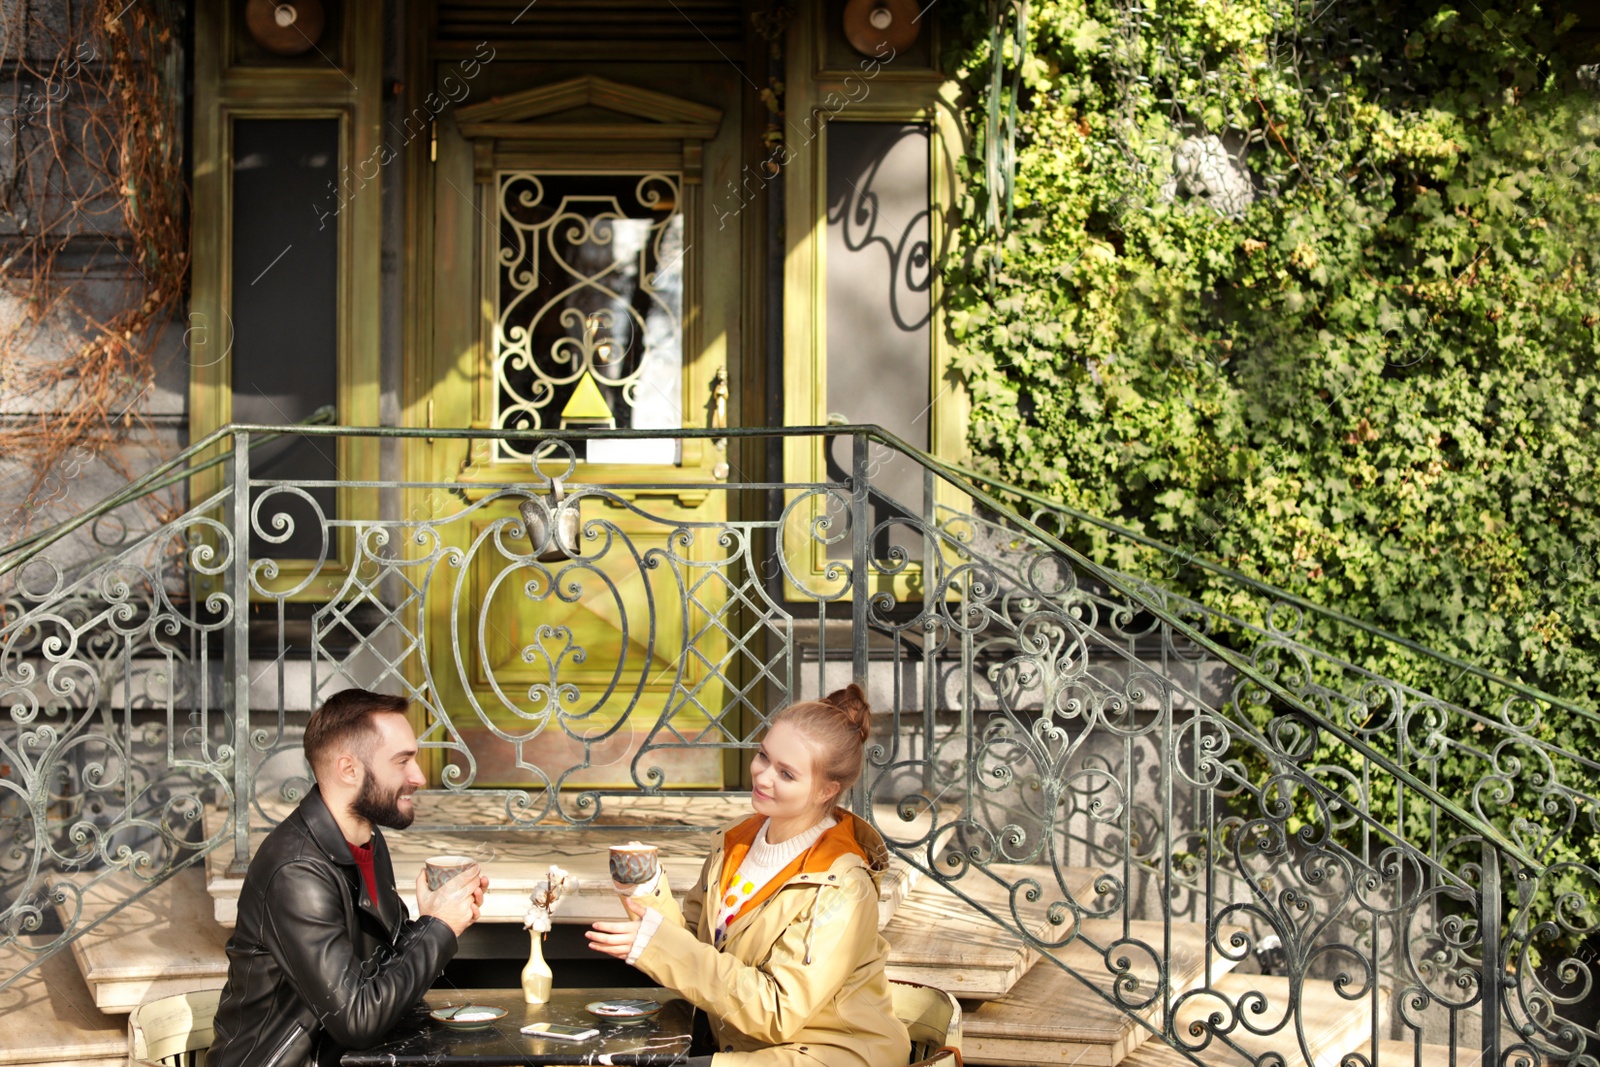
<point x="1333" y="1025"/>
<point x="938" y="939"/>
<point x="50" y="1020"/>
<point x="162" y="943"/>
<point x="1052" y="1017"/>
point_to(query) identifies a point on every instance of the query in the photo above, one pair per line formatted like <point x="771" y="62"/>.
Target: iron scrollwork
<point x="1103" y="767"/>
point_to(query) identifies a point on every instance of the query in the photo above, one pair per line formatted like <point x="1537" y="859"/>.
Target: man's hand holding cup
<point x="451" y="888"/>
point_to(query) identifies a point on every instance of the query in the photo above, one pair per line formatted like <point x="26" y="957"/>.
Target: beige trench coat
<point x="800" y="980"/>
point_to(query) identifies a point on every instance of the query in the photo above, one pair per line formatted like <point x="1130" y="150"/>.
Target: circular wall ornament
<point x="881" y="28"/>
<point x="284" y="27"/>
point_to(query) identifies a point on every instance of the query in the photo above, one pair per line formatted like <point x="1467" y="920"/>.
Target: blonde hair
<point x="837" y="726"/>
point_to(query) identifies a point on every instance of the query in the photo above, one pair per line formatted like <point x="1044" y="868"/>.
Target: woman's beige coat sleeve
<point x="774" y="1001"/>
<point x="662" y="900"/>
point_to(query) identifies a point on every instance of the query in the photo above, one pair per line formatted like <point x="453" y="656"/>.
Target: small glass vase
<point x="536" y="977"/>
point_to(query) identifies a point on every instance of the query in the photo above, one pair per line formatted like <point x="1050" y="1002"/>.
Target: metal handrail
<point x="137" y="488"/>
<point x="1521" y="688"/>
<point x="160" y="476"/>
<point x="1116" y="582"/>
<point x="955" y="477"/>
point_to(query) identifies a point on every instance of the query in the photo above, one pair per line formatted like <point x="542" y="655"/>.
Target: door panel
<point x="589" y="633"/>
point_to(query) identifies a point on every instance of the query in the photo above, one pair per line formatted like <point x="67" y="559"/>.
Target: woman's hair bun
<point x="852" y="704"/>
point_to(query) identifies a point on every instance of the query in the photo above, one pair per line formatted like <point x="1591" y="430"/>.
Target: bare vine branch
<point x="93" y="187"/>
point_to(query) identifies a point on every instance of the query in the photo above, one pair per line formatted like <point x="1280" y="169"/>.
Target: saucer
<point x="622" y="1010"/>
<point x="467" y="1016"/>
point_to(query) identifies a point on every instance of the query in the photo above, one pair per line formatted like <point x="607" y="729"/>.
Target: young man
<point x="324" y="957"/>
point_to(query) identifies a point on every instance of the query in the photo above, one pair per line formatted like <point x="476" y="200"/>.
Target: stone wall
<point x="59" y="180"/>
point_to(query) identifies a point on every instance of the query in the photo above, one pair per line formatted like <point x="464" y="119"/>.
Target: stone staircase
<point x="1066" y="705"/>
<point x="50" y="1015"/>
<point x="1334" y="1026"/>
<point x="939" y="941"/>
<point x="1020" y="1008"/>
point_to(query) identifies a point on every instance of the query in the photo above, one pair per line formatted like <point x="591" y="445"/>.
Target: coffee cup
<point x="440" y="869"/>
<point x="634" y="863"/>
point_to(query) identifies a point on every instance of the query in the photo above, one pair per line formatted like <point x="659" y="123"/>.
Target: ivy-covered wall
<point x="1307" y="287"/>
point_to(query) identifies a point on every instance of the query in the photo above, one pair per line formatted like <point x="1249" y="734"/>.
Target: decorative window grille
<point x="588" y="328"/>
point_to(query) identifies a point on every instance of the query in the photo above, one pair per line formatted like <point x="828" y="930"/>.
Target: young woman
<point x="778" y="939"/>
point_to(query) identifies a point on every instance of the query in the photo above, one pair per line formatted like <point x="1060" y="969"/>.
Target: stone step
<point x="162" y="943"/>
<point x="518" y="858"/>
<point x="1051" y="1017"/>
<point x="1333" y="1025"/>
<point x="937" y="938"/>
<point x="50" y="1016"/>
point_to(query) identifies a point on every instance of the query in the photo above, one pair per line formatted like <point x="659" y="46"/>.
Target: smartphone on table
<point x="560" y="1031"/>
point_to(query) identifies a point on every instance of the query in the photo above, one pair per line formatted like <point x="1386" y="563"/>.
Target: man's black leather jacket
<point x="315" y="966"/>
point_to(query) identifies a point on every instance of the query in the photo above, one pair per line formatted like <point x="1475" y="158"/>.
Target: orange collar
<point x="837" y="841"/>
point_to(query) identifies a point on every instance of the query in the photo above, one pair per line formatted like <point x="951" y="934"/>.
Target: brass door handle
<point x="717" y="405"/>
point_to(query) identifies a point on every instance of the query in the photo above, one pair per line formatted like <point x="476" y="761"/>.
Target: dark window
<point x="285" y="316"/>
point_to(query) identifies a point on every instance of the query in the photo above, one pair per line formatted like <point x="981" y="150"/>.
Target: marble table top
<point x="419" y="1042"/>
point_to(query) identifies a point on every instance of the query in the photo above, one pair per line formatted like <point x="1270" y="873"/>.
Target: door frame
<point x="349" y="91"/>
<point x="447" y="304"/>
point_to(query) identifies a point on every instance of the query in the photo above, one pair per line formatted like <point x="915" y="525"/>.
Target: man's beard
<point x="378" y="807"/>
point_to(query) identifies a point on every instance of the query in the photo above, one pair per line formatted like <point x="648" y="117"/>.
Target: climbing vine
<point x="1309" y="288"/>
<point x="93" y="189"/>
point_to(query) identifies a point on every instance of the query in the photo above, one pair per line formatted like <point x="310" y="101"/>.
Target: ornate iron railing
<point x="1041" y="713"/>
<point x="1493" y="752"/>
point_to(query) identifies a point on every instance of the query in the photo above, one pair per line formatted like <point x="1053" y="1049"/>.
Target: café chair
<point x="934" y="1020"/>
<point x="173" y="1031"/>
